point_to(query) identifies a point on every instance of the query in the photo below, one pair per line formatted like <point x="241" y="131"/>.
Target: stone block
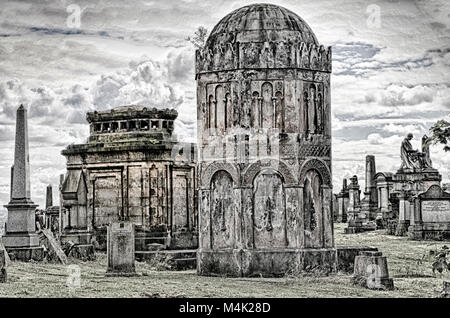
<point x="120" y="249"/>
<point x="26" y="254"/>
<point x="265" y="262"/>
<point x="19" y="240"/>
<point x="371" y="271"/>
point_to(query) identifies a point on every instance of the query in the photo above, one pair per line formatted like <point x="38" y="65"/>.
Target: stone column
<point x="21" y="238"/>
<point x="342" y="202"/>
<point x="370" y="191"/>
<point x="403" y="215"/>
<point x="49" y="197"/>
<point x="354" y="198"/>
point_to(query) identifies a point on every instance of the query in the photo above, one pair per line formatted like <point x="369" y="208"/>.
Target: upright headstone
<point x="21" y="239"/>
<point x="120" y="249"/>
<point x="430" y="215"/>
<point x="49" y="197"/>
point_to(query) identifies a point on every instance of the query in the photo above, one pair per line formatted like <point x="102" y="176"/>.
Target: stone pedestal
<point x="402" y="228"/>
<point x="21" y="240"/>
<point x="120" y="249"/>
<point x="371" y="271"/>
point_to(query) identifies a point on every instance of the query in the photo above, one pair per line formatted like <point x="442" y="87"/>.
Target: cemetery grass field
<point x="408" y="263"/>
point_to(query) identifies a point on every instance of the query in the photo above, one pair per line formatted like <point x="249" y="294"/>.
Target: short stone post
<point x="371" y="271"/>
<point x="120" y="249"/>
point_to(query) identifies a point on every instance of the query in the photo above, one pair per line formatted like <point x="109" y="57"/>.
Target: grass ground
<point x="412" y="275"/>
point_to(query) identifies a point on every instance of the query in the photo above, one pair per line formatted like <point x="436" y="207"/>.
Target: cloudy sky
<point x="390" y="72"/>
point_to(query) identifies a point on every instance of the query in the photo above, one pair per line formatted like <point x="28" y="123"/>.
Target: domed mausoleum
<point x="264" y="129"/>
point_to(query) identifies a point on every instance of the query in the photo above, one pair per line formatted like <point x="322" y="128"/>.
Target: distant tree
<point x="199" y="37"/>
<point x="440" y="134"/>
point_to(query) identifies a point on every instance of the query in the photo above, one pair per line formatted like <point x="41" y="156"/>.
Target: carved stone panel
<point x="180" y="203"/>
<point x="106" y="196"/>
<point x="269" y="210"/>
<point x="222" y="211"/>
<point x="313" y="106"/>
<point x="313" y="209"/>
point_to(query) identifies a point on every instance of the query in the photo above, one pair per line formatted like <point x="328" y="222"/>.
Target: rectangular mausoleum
<point x="131" y="169"/>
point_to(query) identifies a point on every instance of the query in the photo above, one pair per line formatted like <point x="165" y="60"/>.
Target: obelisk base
<point x="21" y="240"/>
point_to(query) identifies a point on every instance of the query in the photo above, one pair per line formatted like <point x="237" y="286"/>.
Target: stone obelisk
<point x="21" y="238"/>
<point x="49" y="197"/>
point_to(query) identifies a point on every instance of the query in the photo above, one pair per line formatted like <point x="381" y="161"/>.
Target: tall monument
<point x="49" y="197"/>
<point x="21" y="238"/>
<point x="369" y="204"/>
<point x="416" y="175"/>
<point x="264" y="129"/>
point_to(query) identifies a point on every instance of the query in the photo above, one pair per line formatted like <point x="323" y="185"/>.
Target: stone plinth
<point x="26" y="254"/>
<point x="267" y="263"/>
<point x="120" y="249"/>
<point x="371" y="271"/>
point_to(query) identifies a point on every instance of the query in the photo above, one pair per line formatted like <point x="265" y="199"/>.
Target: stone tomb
<point x="264" y="130"/>
<point x="120" y="249"/>
<point x="430" y="217"/>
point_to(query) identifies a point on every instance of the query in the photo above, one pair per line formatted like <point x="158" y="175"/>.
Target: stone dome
<point x="260" y="23"/>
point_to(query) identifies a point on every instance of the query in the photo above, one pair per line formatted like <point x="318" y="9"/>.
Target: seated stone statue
<point x="411" y="159"/>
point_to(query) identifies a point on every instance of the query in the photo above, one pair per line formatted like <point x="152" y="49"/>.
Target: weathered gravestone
<point x="371" y="271"/>
<point x="120" y="249"/>
<point x="431" y="215"/>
